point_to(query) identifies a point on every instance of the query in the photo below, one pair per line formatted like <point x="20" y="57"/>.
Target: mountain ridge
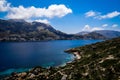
<point x="34" y="31"/>
<point x="106" y="33"/>
<point x="20" y="30"/>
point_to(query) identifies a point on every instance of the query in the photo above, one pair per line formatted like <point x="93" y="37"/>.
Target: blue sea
<point x="21" y="56"/>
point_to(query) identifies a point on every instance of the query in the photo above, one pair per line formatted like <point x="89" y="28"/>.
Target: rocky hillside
<point x="94" y="35"/>
<point x="20" y="30"/>
<point x="108" y="34"/>
<point x="82" y="33"/>
<point x="99" y="61"/>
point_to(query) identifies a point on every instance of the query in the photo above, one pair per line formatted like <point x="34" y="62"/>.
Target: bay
<point x="21" y="56"/>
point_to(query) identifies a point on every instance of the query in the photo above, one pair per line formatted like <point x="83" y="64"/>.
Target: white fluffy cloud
<point x="86" y="28"/>
<point x="90" y="13"/>
<point x="27" y="13"/>
<point x="43" y="21"/>
<point x="4" y="6"/>
<point x="57" y="10"/>
<point x="110" y="15"/>
<point x="32" y="12"/>
<point x="114" y="25"/>
<point x="98" y="15"/>
<point x="104" y="25"/>
<point x="89" y="28"/>
<point x="96" y="28"/>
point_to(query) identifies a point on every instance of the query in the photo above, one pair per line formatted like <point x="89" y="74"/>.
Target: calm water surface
<point x="20" y="56"/>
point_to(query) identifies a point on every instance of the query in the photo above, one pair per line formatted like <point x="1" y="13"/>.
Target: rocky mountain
<point x="93" y="35"/>
<point x="82" y="33"/>
<point x="98" y="61"/>
<point x="108" y="34"/>
<point x="20" y="30"/>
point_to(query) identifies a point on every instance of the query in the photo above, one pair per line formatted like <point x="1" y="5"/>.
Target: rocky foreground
<point x="99" y="61"/>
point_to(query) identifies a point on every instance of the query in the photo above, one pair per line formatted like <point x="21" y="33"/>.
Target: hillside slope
<point x="20" y="30"/>
<point x="94" y="35"/>
<point x="99" y="61"/>
<point x="109" y="33"/>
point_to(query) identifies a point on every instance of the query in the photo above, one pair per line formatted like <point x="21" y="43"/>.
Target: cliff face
<point x="99" y="61"/>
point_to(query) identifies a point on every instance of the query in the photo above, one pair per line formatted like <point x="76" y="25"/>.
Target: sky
<point x="69" y="16"/>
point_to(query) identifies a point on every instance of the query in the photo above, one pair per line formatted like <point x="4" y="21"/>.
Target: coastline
<point x="74" y="52"/>
<point x="91" y="55"/>
<point x="35" y="70"/>
<point x="77" y="55"/>
<point x="20" y="74"/>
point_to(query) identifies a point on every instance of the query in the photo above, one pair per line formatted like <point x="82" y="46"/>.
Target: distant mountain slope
<point x="109" y="33"/>
<point x="99" y="61"/>
<point x="93" y="35"/>
<point x="20" y="30"/>
<point x="82" y="33"/>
